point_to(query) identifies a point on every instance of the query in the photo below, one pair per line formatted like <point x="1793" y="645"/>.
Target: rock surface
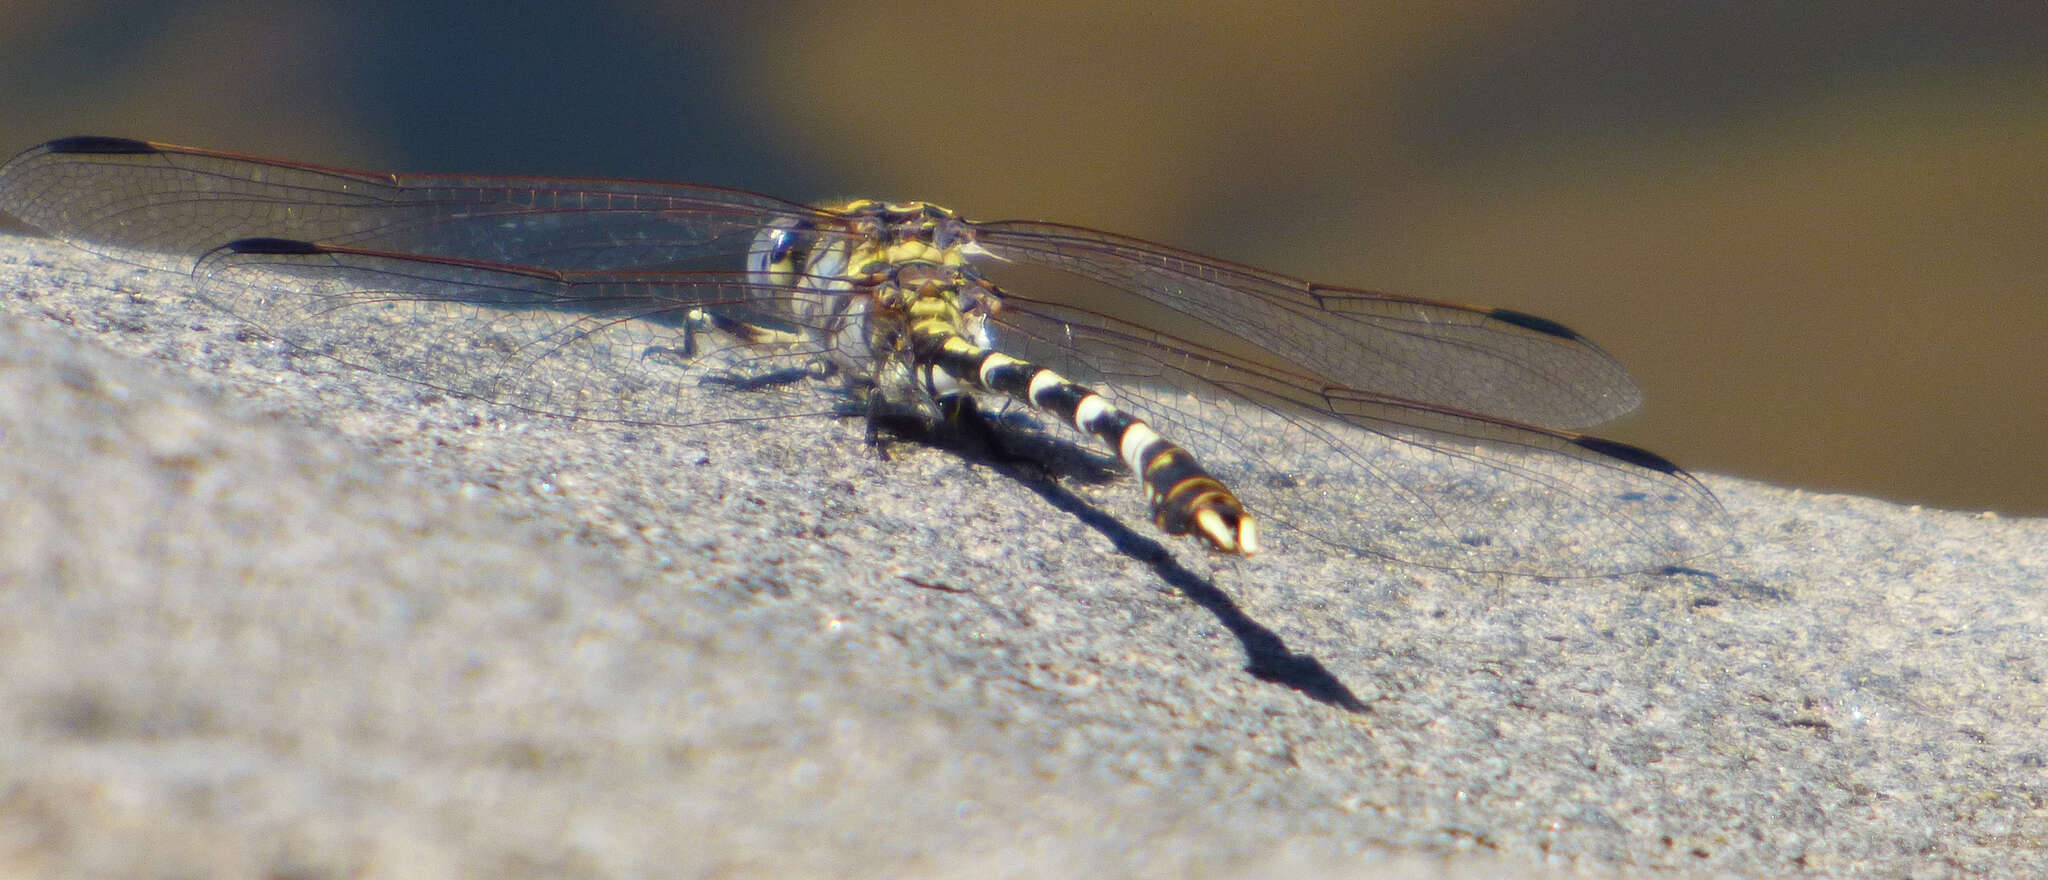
<point x="263" y="617"/>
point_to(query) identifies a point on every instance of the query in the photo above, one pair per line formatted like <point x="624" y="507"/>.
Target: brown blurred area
<point x="1817" y="233"/>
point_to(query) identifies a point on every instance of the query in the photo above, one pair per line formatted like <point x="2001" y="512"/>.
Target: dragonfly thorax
<point x="863" y="274"/>
<point x="860" y="238"/>
<point x="888" y="254"/>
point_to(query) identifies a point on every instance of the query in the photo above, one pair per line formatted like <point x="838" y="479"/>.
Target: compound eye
<point x="775" y="254"/>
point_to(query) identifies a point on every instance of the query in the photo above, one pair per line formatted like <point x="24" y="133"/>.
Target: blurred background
<point x="1817" y="233"/>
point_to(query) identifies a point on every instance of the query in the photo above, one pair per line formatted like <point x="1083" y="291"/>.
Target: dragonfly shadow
<point x="1014" y="442"/>
<point x="1267" y="656"/>
<point x="1015" y="447"/>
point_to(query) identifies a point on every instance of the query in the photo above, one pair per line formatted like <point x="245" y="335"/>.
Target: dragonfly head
<point x="781" y="253"/>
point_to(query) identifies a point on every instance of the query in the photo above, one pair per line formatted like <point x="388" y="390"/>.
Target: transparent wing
<point x="1498" y="362"/>
<point x="162" y="205"/>
<point x="607" y="346"/>
<point x="1381" y="475"/>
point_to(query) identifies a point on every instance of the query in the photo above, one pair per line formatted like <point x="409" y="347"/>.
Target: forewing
<point x="164" y="206"/>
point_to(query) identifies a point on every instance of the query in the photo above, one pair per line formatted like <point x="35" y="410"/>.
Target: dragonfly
<point x="1421" y="431"/>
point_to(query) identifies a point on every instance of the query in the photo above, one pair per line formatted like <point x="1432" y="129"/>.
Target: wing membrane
<point x="1491" y="361"/>
<point x="1381" y="475"/>
<point x="164" y="206"/>
<point x="610" y="346"/>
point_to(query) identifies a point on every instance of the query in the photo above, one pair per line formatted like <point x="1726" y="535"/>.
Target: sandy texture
<point x="260" y="617"/>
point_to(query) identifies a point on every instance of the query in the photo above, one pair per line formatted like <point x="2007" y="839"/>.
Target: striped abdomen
<point x="1185" y="498"/>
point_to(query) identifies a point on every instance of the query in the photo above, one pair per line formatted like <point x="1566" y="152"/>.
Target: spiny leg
<point x="746" y="334"/>
<point x="916" y="409"/>
<point x="963" y="424"/>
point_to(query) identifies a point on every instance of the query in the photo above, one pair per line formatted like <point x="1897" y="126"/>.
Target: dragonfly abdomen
<point x="1185" y="498"/>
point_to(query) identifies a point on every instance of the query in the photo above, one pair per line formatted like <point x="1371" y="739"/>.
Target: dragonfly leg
<point x="746" y="334"/>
